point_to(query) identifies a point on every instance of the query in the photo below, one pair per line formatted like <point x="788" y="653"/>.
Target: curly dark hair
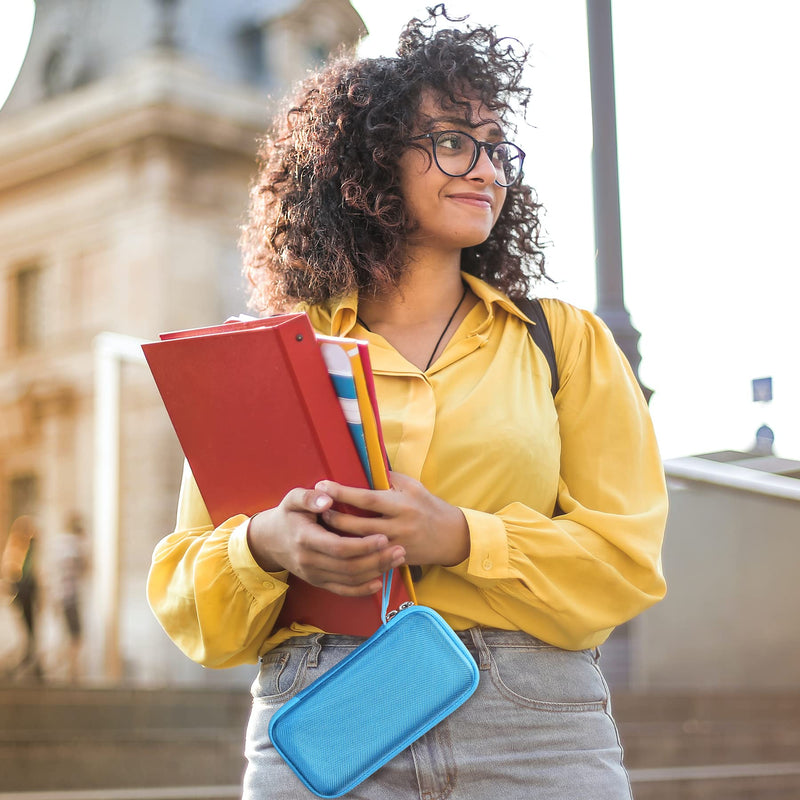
<point x="326" y="213"/>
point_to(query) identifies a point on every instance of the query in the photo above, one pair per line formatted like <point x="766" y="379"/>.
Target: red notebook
<point x="256" y="415"/>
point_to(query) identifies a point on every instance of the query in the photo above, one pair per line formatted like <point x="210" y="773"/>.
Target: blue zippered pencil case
<point x="407" y="677"/>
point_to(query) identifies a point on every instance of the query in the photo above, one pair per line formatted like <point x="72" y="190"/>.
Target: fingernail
<point x="319" y="502"/>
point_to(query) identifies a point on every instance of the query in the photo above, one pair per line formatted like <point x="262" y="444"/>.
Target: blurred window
<point x="252" y="52"/>
<point x="26" y="305"/>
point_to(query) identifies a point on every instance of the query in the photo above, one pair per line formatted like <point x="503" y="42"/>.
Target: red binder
<point x="256" y="415"/>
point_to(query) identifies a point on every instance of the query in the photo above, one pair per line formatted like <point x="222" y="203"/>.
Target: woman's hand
<point x="290" y="537"/>
<point x="429" y="530"/>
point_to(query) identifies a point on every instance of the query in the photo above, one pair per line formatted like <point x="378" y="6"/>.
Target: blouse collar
<point x="338" y="316"/>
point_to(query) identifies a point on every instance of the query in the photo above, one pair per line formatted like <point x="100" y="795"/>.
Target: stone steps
<point x="59" y="739"/>
<point x="721" y="728"/>
<point x="232" y="792"/>
<point x="55" y="708"/>
<point x="171" y="744"/>
<point x="759" y="782"/>
<point x="731" y="745"/>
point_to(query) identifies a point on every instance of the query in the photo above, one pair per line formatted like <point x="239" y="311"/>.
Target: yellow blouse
<point x="479" y="429"/>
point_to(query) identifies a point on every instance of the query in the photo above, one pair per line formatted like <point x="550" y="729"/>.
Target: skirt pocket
<point x="547" y="678"/>
<point x="282" y="675"/>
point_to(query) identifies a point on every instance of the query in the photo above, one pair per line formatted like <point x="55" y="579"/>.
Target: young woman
<point x="389" y="206"/>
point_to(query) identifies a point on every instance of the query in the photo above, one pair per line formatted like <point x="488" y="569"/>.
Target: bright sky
<point x="709" y="168"/>
<point x="17" y="19"/>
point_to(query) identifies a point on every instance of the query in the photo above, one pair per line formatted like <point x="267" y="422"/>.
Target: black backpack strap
<point x="540" y="333"/>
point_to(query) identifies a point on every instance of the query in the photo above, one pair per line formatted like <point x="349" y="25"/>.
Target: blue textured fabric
<point x="412" y="673"/>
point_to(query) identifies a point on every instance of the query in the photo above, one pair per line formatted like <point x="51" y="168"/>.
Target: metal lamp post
<point x="608" y="239"/>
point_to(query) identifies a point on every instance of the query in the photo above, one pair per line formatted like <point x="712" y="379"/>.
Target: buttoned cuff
<point x="488" y="558"/>
<point x="267" y="586"/>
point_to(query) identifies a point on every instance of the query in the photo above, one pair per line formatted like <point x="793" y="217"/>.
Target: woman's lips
<point x="473" y="199"/>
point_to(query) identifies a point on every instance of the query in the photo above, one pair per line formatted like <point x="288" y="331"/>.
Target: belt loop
<point x="484" y="658"/>
<point x="314" y="650"/>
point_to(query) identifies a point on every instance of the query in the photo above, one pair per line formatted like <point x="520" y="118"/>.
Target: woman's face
<point x="451" y="213"/>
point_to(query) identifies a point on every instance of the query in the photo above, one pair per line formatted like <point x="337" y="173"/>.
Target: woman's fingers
<point x="430" y="530"/>
<point x="354" y="575"/>
<point x="312" y="501"/>
<point x="354" y="526"/>
<point x="387" y="512"/>
<point x="375" y="501"/>
<point x="357" y="573"/>
<point x="327" y="558"/>
<point x="313" y="538"/>
<point x="354" y="559"/>
<point x="291" y="537"/>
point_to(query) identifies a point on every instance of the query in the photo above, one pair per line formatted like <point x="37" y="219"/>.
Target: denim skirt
<point x="538" y="726"/>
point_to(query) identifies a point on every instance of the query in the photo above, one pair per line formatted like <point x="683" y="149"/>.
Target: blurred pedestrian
<point x="18" y="568"/>
<point x="70" y="562"/>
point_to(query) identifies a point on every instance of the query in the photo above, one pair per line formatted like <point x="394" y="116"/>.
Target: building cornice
<point x="156" y="95"/>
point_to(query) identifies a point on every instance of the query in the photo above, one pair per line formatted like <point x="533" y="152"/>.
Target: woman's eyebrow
<point x="496" y="130"/>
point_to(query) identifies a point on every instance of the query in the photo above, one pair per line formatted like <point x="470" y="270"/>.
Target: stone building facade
<point x="126" y="151"/>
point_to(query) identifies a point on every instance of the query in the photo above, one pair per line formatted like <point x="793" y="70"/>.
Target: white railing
<point x="733" y="476"/>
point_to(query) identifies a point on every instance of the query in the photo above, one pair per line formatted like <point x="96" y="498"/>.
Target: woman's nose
<point x="484" y="167"/>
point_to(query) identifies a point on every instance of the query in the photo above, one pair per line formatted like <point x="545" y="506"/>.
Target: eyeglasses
<point x="456" y="153"/>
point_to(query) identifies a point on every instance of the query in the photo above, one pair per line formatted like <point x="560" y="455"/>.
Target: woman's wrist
<point x="456" y="540"/>
<point x="256" y="534"/>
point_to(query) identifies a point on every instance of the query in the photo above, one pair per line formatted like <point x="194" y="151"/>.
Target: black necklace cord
<point x="441" y="336"/>
<point x="449" y="322"/>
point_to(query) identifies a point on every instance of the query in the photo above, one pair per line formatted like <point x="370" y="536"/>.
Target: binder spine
<point x="303" y="357"/>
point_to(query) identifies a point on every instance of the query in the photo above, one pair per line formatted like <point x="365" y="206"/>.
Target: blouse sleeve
<point x="207" y="591"/>
<point x="572" y="578"/>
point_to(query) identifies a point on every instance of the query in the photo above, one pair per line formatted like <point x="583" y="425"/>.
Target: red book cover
<point x="256" y="414"/>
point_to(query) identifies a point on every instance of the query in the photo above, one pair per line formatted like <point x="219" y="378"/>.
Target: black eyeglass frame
<point x="489" y="147"/>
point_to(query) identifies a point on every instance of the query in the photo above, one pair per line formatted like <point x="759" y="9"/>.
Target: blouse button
<point x="268" y="584"/>
<point x="487" y="564"/>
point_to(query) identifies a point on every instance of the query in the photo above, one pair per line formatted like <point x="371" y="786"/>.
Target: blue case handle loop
<point x="386" y="592"/>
